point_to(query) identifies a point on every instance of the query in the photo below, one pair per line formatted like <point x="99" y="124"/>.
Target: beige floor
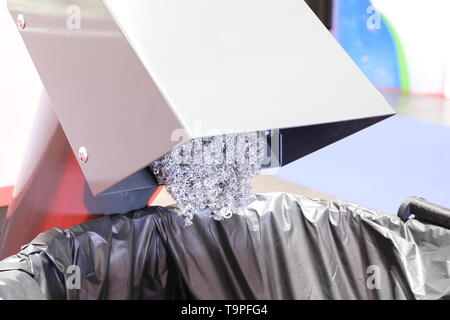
<point x="431" y="109"/>
<point x="261" y="184"/>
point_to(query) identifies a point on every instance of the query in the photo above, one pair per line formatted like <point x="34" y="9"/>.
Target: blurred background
<point x="403" y="48"/>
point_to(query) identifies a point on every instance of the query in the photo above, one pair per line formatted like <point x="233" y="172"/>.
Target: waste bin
<point x="281" y="246"/>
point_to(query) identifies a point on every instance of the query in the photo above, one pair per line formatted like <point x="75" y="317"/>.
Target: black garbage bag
<point x="279" y="247"/>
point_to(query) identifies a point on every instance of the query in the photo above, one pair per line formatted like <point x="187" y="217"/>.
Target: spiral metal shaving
<point x="212" y="173"/>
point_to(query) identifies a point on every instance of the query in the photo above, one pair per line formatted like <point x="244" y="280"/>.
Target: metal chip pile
<point x="212" y="173"/>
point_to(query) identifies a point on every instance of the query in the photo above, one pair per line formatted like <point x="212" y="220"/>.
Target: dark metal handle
<point x="425" y="211"/>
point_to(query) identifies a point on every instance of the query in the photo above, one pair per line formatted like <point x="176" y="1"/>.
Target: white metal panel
<point x="242" y="65"/>
<point x="136" y="72"/>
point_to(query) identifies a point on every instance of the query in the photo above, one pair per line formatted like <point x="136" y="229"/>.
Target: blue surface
<point x="374" y="51"/>
<point x="381" y="166"/>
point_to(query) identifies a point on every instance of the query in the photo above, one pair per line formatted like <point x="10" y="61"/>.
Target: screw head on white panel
<point x="21" y="24"/>
<point x="83" y="154"/>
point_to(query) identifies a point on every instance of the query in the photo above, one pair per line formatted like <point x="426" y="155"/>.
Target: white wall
<point x="423" y="27"/>
<point x="447" y="74"/>
<point x="20" y="89"/>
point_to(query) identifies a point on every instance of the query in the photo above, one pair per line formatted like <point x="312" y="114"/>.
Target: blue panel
<point x="374" y="51"/>
<point x="382" y="165"/>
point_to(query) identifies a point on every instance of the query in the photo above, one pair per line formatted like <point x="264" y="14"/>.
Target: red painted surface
<point x="6" y="196"/>
<point x="155" y="195"/>
<point x="422" y="94"/>
<point x="66" y="207"/>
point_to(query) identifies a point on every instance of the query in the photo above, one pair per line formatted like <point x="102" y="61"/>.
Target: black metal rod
<point x="425" y="211"/>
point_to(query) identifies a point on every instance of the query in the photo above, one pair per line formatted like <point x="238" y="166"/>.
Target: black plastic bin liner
<point x="281" y="247"/>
